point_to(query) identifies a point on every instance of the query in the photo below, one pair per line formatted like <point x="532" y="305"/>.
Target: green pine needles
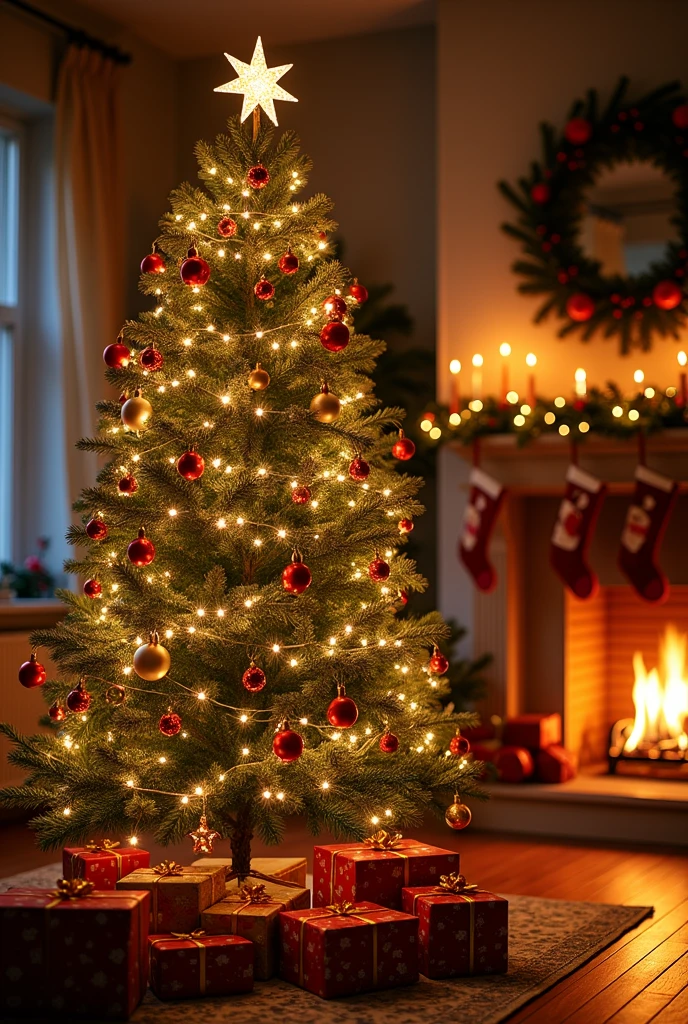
<point x="214" y="591"/>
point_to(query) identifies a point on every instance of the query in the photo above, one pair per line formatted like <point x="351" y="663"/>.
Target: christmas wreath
<point x="550" y="204"/>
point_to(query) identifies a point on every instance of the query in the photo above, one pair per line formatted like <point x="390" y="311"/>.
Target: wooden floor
<point x="643" y="977"/>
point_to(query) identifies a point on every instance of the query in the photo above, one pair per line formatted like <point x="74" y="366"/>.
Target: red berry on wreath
<point x="301" y="495"/>
<point x="56" y="712"/>
<point x="226" y="227"/>
<point x="253" y="678"/>
<point x="264" y="290"/>
<point x="359" y="470"/>
<point x="403" y="448"/>
<point x="296" y="578"/>
<point x="679" y="116"/>
<point x="405" y="525"/>
<point x="379" y="570"/>
<point x="459" y="746"/>
<point x="358" y="291"/>
<point x="128" y="484"/>
<point x="540" y="193"/>
<point x="151" y="359"/>
<point x="578" y="131"/>
<point x="288" y="262"/>
<point x="334" y="336"/>
<point x="79" y="699"/>
<point x="342" y="712"/>
<point x="194" y="269"/>
<point x="96" y="529"/>
<point x="170" y="724"/>
<point x="153" y="263"/>
<point x="141" y="551"/>
<point x="258" y="176"/>
<point x="92" y="588"/>
<point x="335" y="306"/>
<point x="32" y="673"/>
<point x="287" y="744"/>
<point x="389" y="743"/>
<point x="580" y="307"/>
<point x="190" y="465"/>
<point x="438" y="663"/>
<point x="117" y="356"/>
<point x="667" y="294"/>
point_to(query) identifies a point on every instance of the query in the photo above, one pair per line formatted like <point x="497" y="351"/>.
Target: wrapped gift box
<point x="194" y="965"/>
<point x="73" y="957"/>
<point x="290" y="869"/>
<point x="465" y="931"/>
<point x="535" y="732"/>
<point x="555" y="765"/>
<point x="348" y="948"/>
<point x="178" y="894"/>
<point x="102" y="863"/>
<point x="252" y="910"/>
<point x="377" y="869"/>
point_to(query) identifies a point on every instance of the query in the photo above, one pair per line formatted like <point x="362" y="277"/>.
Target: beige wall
<point x="502" y="68"/>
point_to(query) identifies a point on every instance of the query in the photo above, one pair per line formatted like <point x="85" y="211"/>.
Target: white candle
<point x="455" y="370"/>
<point x="581" y="385"/>
<point x="531" y="361"/>
<point x="505" y="352"/>
<point x="477" y="376"/>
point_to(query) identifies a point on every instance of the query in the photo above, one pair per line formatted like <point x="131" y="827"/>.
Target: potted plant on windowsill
<point x="32" y="580"/>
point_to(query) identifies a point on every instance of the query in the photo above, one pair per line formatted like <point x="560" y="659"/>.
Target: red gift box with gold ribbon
<point x="193" y="965"/>
<point x="463" y="929"/>
<point x="347" y="948"/>
<point x="178" y="894"/>
<point x="73" y="952"/>
<point x="377" y="869"/>
<point x="103" y="862"/>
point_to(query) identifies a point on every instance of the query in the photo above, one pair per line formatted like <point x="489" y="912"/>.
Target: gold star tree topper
<point x="258" y="83"/>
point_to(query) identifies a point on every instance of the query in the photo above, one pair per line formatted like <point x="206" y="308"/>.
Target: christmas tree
<point x="241" y="651"/>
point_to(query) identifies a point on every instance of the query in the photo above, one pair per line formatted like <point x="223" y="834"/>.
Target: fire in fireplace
<point x="657" y="734"/>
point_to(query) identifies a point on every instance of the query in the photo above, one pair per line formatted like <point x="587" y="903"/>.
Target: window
<point x="9" y="310"/>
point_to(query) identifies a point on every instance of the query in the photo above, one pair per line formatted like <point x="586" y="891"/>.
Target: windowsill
<point x="30" y="613"/>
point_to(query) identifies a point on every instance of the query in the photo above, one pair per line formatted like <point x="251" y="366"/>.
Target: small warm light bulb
<point x="200" y="612"/>
<point x="130" y="783"/>
<point x="280" y="796"/>
<point x="172" y="512"/>
<point x="133" y="840"/>
<point x="162" y="760"/>
<point x="477" y="360"/>
<point x="244" y="751"/>
<point x="275" y="648"/>
<point x="388" y="813"/>
<point x="505" y="349"/>
<point x="185" y="799"/>
<point x="682" y="358"/>
<point x="243" y="718"/>
<point x="67" y="811"/>
<point x="531" y="359"/>
<point x="639" y="376"/>
<point x="267" y="794"/>
<point x="201" y="695"/>
<point x="324" y="785"/>
<point x="455" y="366"/>
<point x="259" y="412"/>
<point x="375" y="820"/>
<point x="198" y="791"/>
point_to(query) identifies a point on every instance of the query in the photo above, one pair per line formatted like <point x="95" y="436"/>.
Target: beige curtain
<point x="90" y="249"/>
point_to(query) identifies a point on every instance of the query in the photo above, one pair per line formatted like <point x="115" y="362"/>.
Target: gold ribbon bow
<point x="455" y="883"/>
<point x="189" y="935"/>
<point x="254" y="893"/>
<point x="194" y="937"/>
<point x="343" y="909"/>
<point x="383" y="840"/>
<point x="167" y="868"/>
<point x="104" y="846"/>
<point x="72" y="888"/>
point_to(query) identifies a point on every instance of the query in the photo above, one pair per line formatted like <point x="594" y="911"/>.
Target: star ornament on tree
<point x="203" y="837"/>
<point x="258" y="83"/>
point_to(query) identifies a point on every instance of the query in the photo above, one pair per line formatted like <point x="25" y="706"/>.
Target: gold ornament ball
<point x="326" y="407"/>
<point x="259" y="378"/>
<point x="136" y="412"/>
<point x="458" y="816"/>
<point x="152" y="661"/>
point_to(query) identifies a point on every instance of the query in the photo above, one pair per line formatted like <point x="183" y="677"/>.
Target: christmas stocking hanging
<point x="646" y="521"/>
<point x="485" y="500"/>
<point x="574" y="530"/>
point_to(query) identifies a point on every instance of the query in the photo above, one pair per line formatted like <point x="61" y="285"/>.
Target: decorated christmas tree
<point x="241" y="649"/>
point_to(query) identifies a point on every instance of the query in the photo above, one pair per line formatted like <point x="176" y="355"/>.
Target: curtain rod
<point x="74" y="35"/>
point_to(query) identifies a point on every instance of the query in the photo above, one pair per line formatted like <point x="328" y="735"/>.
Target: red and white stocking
<point x="574" y="530"/>
<point x="646" y="521"/>
<point x="485" y="500"/>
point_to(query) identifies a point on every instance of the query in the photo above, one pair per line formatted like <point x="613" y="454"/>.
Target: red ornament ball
<point x="403" y="597"/>
<point x="379" y="570"/>
<point x="296" y="578"/>
<point x="92" y="588"/>
<point x="679" y="116"/>
<point x="342" y="712"/>
<point x="170" y="724"/>
<point x="288" y="263"/>
<point x="358" y="291"/>
<point x="128" y="484"/>
<point x="459" y="746"/>
<point x="56" y="712"/>
<point x="301" y="495"/>
<point x="194" y="269"/>
<point x="32" y="673"/>
<point x="405" y="525"/>
<point x="335" y="306"/>
<point x="359" y="469"/>
<point x="578" y="131"/>
<point x="116" y="356"/>
<point x="264" y="290"/>
<point x="438" y="663"/>
<point x="389" y="743"/>
<point x="540" y="193"/>
<point x="253" y="678"/>
<point x="667" y="295"/>
<point x="153" y="263"/>
<point x="190" y="465"/>
<point x="226" y="227"/>
<point x="580" y="307"/>
<point x="79" y="699"/>
<point x="96" y="529"/>
<point x="141" y="551"/>
<point x="287" y="745"/>
<point x="151" y="359"/>
<point x="403" y="448"/>
<point x="258" y="176"/>
<point x="334" y="336"/>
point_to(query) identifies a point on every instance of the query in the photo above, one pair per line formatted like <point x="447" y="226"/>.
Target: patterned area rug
<point x="548" y="940"/>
